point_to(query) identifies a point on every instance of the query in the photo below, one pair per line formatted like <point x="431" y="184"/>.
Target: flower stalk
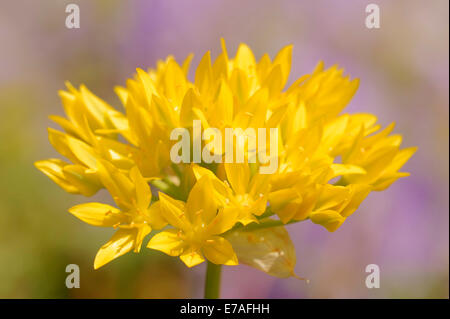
<point x="212" y="281"/>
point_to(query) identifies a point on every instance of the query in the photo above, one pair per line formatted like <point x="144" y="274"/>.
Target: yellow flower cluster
<point x="329" y="161"/>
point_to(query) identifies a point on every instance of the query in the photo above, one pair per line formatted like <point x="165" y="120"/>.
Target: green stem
<point x="177" y="170"/>
<point x="161" y="185"/>
<point x="212" y="283"/>
<point x="169" y="188"/>
<point x="267" y="223"/>
<point x="267" y="213"/>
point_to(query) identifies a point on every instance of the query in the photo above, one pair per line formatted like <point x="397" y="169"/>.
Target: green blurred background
<point x="403" y="67"/>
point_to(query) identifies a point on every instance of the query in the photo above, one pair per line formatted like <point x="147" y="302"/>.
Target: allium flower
<point x="328" y="160"/>
<point x="135" y="218"/>
<point x="197" y="226"/>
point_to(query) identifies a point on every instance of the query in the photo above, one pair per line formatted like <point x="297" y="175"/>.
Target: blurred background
<point x="403" y="67"/>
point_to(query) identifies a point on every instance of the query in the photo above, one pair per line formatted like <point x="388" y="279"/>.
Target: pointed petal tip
<point x="293" y="274"/>
<point x="97" y="263"/>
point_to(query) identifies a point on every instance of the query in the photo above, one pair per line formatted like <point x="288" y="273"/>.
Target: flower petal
<point x="97" y="214"/>
<point x="87" y="182"/>
<point x="173" y="211"/>
<point x="284" y="59"/>
<point x="346" y="169"/>
<point x="204" y="75"/>
<point x="225" y="219"/>
<point x="238" y="174"/>
<point x="244" y="60"/>
<point x="168" y="242"/>
<point x="143" y="193"/>
<point x="359" y="193"/>
<point x="53" y="168"/>
<point x="118" y="184"/>
<point x="120" y="243"/>
<point x="201" y="207"/>
<point x="157" y="221"/>
<point x="192" y="258"/>
<point x="219" y="251"/>
<point x="329" y="219"/>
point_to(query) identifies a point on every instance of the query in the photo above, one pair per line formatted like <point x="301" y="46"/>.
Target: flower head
<point x="328" y="160"/>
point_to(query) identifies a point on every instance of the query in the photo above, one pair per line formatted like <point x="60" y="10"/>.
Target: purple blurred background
<point x="403" y="68"/>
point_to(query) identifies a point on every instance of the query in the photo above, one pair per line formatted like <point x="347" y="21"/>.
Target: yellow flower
<point x="197" y="226"/>
<point x="245" y="194"/>
<point x="379" y="155"/>
<point x="133" y="221"/>
<point x="328" y="161"/>
<point x="86" y="113"/>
